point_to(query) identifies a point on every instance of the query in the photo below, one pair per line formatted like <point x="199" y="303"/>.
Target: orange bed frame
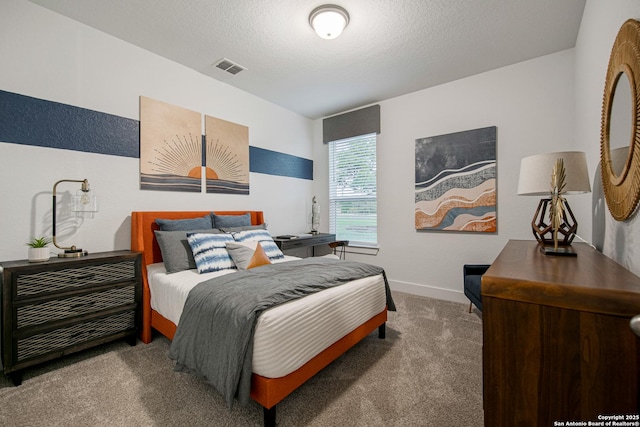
<point x="266" y="391"/>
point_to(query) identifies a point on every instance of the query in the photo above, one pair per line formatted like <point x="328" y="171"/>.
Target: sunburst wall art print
<point x="227" y="156"/>
<point x="170" y="147"/>
<point x="455" y="182"/>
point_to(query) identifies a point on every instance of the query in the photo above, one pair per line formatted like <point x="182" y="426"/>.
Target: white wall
<point x="600" y="24"/>
<point x="48" y="56"/>
<point x="550" y="103"/>
<point x="531" y="103"/>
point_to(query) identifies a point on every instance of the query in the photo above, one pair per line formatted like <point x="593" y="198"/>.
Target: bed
<point x="267" y="390"/>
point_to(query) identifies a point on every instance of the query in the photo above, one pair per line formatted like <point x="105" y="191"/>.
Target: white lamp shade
<point x="328" y="21"/>
<point x="535" y="173"/>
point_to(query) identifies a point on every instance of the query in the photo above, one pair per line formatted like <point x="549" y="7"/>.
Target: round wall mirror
<point x="621" y="124"/>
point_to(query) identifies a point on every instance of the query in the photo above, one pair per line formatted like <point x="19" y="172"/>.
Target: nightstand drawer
<point x="62" y="338"/>
<point x="73" y="278"/>
<point x="35" y="314"/>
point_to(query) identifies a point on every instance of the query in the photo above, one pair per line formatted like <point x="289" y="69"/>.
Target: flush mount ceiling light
<point x="329" y="20"/>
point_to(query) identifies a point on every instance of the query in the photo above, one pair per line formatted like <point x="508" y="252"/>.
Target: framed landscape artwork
<point x="455" y="182"/>
<point x="170" y="147"/>
<point x="227" y="156"/>
<point x="174" y="155"/>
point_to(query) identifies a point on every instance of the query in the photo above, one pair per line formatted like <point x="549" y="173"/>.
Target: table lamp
<point x="83" y="201"/>
<point x="554" y="175"/>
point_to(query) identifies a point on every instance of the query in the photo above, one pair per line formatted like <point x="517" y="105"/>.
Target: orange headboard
<point x="143" y="239"/>
<point x="143" y="225"/>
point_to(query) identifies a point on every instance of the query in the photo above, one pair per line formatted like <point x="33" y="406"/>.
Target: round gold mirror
<point x="620" y="126"/>
<point x="621" y="179"/>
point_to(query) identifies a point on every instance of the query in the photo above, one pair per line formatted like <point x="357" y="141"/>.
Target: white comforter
<point x="289" y="335"/>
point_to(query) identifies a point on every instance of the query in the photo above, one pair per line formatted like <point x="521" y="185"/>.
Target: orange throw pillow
<point x="246" y="255"/>
<point x="259" y="258"/>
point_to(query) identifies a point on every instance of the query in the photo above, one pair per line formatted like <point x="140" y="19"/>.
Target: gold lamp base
<point x="543" y="232"/>
<point x="559" y="251"/>
<point x="72" y="253"/>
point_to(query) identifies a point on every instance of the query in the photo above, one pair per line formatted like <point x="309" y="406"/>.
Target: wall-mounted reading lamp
<point x="83" y="201"/>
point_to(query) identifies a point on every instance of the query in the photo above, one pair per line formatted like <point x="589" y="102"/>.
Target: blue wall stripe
<point x="33" y="121"/>
<point x="274" y="163"/>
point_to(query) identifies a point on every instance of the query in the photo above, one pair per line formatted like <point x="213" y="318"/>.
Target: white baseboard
<point x="428" y="291"/>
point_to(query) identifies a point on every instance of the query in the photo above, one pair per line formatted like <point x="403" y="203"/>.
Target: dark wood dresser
<point x="557" y="345"/>
<point x="64" y="305"/>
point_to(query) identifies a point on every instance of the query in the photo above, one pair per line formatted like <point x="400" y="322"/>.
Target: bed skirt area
<point x="269" y="391"/>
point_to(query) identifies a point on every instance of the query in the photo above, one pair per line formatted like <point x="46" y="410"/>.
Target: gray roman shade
<point x="354" y="123"/>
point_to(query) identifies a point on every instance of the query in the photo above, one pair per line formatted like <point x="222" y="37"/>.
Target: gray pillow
<point x="224" y="221"/>
<point x="176" y="252"/>
<point x="244" y="228"/>
<point x="185" y="224"/>
<point x="245" y="255"/>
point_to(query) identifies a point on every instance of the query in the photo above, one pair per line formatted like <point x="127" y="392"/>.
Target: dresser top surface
<point x="70" y="262"/>
<point x="590" y="281"/>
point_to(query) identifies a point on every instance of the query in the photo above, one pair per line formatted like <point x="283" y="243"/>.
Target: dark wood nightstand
<point x="62" y="306"/>
<point x="306" y="246"/>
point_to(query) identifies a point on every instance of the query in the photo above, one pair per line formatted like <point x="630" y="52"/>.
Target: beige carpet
<point x="427" y="372"/>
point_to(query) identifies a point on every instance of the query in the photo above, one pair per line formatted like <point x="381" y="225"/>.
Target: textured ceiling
<point x="390" y="48"/>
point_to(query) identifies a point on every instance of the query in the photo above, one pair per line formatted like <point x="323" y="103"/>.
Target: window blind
<point x="353" y="207"/>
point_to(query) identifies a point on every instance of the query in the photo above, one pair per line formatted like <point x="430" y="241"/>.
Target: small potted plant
<point x="39" y="249"/>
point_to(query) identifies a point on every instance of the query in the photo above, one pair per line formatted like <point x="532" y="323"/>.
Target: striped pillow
<point x="266" y="241"/>
<point x="210" y="251"/>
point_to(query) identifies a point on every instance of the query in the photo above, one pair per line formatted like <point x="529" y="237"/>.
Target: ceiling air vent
<point x="229" y="66"/>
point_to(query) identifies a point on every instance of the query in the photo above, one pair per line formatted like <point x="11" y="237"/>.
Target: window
<point x="353" y="206"/>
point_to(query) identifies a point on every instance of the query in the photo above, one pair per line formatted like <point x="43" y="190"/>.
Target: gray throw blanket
<point x="214" y="338"/>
